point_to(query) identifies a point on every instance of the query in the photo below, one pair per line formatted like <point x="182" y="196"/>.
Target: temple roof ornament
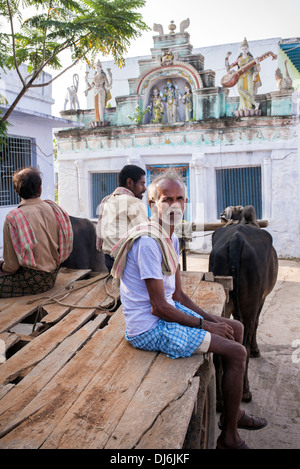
<point x="184" y="25"/>
<point x="158" y="28"/>
<point x="172" y="27"/>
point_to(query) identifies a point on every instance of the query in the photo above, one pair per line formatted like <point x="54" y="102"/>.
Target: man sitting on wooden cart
<point x="161" y="317"/>
<point x="37" y="238"/>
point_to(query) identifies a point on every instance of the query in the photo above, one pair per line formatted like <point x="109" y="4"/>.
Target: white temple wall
<point x="280" y="183"/>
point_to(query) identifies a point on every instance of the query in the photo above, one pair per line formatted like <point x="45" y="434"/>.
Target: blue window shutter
<point x="239" y="186"/>
<point x="102" y="185"/>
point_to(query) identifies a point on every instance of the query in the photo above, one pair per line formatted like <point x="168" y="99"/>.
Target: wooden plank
<point x="55" y="311"/>
<point x="29" y="387"/>
<point x="190" y="281"/>
<point x="89" y="399"/>
<point x="17" y="309"/>
<point x="211" y="297"/>
<point x="44" y="412"/>
<point x="9" y="339"/>
<point x="221" y="224"/>
<point x="170" y="427"/>
<point x="43" y="344"/>
<point x="97" y="411"/>
<point x="166" y="381"/>
<point x="5" y="389"/>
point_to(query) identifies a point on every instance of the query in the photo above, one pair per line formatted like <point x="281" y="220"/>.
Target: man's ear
<point x="151" y="204"/>
<point x="129" y="183"/>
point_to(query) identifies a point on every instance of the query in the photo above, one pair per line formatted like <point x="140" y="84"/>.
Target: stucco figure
<point x="71" y="96"/>
<point x="170" y="96"/>
<point x="167" y="57"/>
<point x="249" y="81"/>
<point x="101" y="87"/>
<point x="187" y="100"/>
<point x="283" y="83"/>
<point x="156" y="107"/>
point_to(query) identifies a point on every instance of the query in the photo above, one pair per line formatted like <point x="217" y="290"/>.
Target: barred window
<point x="102" y="184"/>
<point x="15" y="153"/>
<point x="239" y="186"/>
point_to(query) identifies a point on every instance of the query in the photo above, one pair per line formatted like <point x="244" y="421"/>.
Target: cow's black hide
<point x="245" y="252"/>
<point x="84" y="254"/>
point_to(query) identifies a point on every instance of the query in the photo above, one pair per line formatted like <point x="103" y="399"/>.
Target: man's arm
<point x="10" y="264"/>
<point x="162" y="309"/>
<point x="185" y="300"/>
<point x="211" y="323"/>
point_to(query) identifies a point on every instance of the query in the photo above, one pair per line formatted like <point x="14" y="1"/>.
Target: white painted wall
<point x="279" y="159"/>
<point x="32" y="118"/>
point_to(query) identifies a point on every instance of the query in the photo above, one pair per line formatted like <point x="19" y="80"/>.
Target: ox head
<point x="232" y="214"/>
<point x="238" y="214"/>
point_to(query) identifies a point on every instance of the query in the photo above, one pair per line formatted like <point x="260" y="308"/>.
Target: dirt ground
<point x="274" y="376"/>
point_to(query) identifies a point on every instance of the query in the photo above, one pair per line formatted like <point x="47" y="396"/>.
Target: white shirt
<point x="143" y="262"/>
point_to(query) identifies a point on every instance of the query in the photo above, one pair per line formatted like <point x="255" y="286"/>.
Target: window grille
<point x="15" y="154"/>
<point x="102" y="185"/>
<point x="239" y="186"/>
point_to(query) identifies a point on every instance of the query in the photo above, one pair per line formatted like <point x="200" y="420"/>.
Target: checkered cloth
<point x="171" y="338"/>
<point x="65" y="231"/>
<point x="22" y="237"/>
<point x="24" y="240"/>
<point x="153" y="229"/>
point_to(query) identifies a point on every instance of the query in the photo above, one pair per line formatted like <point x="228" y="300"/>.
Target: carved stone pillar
<point x="199" y="164"/>
<point x="80" y="190"/>
<point x="267" y="189"/>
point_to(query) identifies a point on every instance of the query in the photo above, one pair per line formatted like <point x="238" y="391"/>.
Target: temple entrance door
<point x="183" y="169"/>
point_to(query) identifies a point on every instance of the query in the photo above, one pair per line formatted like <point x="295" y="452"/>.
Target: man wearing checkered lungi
<point x="37" y="238"/>
<point x="161" y="317"/>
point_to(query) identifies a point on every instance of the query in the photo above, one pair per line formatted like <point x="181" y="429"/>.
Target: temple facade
<point x="232" y="148"/>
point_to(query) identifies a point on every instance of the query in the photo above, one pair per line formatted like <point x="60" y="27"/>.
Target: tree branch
<point x="13" y="43"/>
<point x="57" y="76"/>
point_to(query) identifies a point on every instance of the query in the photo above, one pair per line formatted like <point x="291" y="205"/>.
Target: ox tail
<point x="235" y="251"/>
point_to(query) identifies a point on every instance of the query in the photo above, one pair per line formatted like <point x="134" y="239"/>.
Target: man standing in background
<point x="121" y="210"/>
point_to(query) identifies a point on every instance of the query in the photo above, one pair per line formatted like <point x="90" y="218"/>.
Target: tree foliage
<point x="84" y="28"/>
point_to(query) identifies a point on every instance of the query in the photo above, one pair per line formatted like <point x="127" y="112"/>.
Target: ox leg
<point x="247" y="396"/>
<point x="254" y="350"/>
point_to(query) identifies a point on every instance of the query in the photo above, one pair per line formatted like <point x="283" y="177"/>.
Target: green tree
<point x="84" y="28"/>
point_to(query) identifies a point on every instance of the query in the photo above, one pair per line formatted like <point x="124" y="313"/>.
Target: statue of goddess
<point x="156" y="107"/>
<point x="187" y="100"/>
<point x="101" y="87"/>
<point x="249" y="81"/>
<point x="170" y="95"/>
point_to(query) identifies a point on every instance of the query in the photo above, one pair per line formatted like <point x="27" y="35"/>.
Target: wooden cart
<point x="70" y="379"/>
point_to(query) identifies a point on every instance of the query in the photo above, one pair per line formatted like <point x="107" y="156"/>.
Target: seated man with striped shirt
<point x="161" y="317"/>
<point x="37" y="238"/>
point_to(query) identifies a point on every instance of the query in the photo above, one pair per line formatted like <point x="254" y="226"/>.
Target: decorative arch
<point x="176" y="70"/>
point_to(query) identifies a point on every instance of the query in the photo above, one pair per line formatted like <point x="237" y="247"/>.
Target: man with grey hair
<point x="161" y="317"/>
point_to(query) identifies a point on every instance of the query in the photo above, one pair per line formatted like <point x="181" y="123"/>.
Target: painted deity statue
<point x="156" y="107"/>
<point x="249" y="81"/>
<point x="170" y="95"/>
<point x="187" y="100"/>
<point x="101" y="87"/>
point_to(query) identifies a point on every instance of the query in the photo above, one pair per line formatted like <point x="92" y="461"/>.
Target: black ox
<point x="243" y="250"/>
<point x="85" y="254"/>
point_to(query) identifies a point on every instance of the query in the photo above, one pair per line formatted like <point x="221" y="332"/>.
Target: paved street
<point x="275" y="376"/>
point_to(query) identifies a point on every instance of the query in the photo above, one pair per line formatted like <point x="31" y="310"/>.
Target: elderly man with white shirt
<point x="161" y="317"/>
